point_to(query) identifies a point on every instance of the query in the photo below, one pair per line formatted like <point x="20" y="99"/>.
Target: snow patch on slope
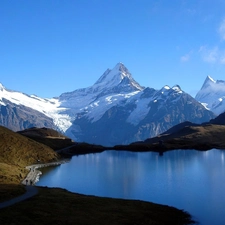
<point x="96" y="110"/>
<point x="212" y="95"/>
<point x="49" y="107"/>
<point x="140" y="112"/>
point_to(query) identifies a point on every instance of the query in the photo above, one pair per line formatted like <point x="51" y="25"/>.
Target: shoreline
<point x="33" y="175"/>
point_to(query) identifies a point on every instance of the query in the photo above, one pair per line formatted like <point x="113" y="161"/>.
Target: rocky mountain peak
<point x="118" y="75"/>
<point x="1" y="87"/>
<point x="208" y="82"/>
<point x="212" y="95"/>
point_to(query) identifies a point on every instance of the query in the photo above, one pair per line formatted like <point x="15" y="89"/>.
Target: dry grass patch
<point x="58" y="206"/>
<point x="11" y="174"/>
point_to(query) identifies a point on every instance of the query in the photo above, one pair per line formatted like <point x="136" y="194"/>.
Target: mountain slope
<point x="19" y="111"/>
<point x="114" y="110"/>
<point x="48" y="137"/>
<point x="139" y="116"/>
<point x="212" y="95"/>
<point x="17" y="151"/>
<point x="185" y="135"/>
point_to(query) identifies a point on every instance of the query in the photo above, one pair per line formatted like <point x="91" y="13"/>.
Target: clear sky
<point x="48" y="47"/>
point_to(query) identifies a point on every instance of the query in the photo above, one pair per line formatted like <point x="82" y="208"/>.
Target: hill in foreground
<point x="17" y="151"/>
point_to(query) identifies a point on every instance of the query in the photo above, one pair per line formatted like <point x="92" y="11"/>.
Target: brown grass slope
<point x="196" y="137"/>
<point x="185" y="135"/>
<point x="199" y="137"/>
<point x="42" y="132"/>
<point x="16" y="152"/>
<point x="47" y="136"/>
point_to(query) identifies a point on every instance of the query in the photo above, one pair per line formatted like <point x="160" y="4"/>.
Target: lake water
<point x="186" y="179"/>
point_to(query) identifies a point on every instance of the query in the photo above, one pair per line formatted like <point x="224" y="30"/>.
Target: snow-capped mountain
<point x="117" y="110"/>
<point x="136" y="116"/>
<point x="114" y="110"/>
<point x="212" y="95"/>
<point x="20" y="111"/>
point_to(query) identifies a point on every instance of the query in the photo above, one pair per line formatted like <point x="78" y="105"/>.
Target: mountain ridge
<point x="212" y="95"/>
<point x="115" y="105"/>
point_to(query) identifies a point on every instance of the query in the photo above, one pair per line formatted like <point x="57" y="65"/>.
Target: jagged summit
<point x="113" y="81"/>
<point x="115" y="110"/>
<point x="208" y="82"/>
<point x="118" y="72"/>
<point x="212" y="95"/>
<point x="1" y="87"/>
<point x="176" y="88"/>
<point x="211" y="85"/>
<point x="118" y="75"/>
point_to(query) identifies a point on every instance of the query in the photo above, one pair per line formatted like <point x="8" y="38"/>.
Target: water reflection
<point x="187" y="179"/>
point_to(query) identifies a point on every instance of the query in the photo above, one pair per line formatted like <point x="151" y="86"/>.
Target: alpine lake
<point x="186" y="179"/>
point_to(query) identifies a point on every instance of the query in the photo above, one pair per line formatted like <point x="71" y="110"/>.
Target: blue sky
<point x="48" y="47"/>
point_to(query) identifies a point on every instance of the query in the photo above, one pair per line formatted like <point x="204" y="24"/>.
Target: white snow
<point x="177" y="89"/>
<point x="140" y="112"/>
<point x="96" y="110"/>
<point x="166" y="87"/>
<point x="92" y="102"/>
<point x="49" y="107"/>
<point x="212" y="94"/>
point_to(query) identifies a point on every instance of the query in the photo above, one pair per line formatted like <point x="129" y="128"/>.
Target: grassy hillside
<point x="47" y="136"/>
<point x="16" y="152"/>
<point x="199" y="137"/>
<point x="203" y="137"/>
<point x="41" y="132"/>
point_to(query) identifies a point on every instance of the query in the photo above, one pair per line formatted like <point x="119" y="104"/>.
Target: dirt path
<point x="34" y="174"/>
<point x="30" y="192"/>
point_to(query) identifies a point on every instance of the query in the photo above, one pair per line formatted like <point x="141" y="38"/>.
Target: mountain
<point x="220" y="120"/>
<point x="116" y="109"/>
<point x="117" y="81"/>
<point x="212" y="95"/>
<point x="187" y="135"/>
<point x="19" y="111"/>
<point x="138" y="116"/>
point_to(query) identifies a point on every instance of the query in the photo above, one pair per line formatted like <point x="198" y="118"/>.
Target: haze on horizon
<point x="52" y="47"/>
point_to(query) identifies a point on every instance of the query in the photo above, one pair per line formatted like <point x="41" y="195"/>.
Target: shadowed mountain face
<point x="116" y="109"/>
<point x="144" y="114"/>
<point x="188" y="135"/>
<point x="219" y="119"/>
<point x="19" y="117"/>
